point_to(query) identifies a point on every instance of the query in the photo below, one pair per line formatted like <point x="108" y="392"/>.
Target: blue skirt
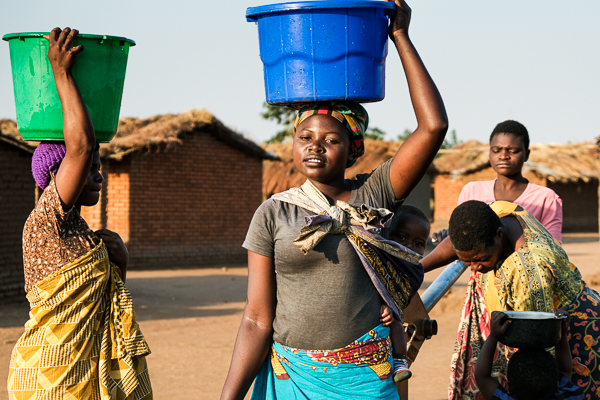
<point x="361" y="370"/>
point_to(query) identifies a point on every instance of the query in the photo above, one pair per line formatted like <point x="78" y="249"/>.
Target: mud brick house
<point x="571" y="170"/>
<point x="17" y="199"/>
<point x="282" y="175"/>
<point x="181" y="190"/>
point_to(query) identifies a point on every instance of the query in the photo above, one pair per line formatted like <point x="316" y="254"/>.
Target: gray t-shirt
<point x="325" y="299"/>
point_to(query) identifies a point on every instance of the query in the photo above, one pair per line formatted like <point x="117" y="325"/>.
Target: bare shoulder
<point x="514" y="230"/>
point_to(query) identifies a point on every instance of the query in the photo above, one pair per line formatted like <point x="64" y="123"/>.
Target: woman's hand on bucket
<point x="61" y="53"/>
<point x="401" y="19"/>
<point x="117" y="251"/>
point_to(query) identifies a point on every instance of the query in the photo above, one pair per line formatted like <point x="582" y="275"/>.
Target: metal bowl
<point x="532" y="329"/>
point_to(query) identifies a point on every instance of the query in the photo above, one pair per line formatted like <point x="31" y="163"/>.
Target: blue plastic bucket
<point x="323" y="50"/>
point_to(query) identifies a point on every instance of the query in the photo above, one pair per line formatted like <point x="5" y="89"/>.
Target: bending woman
<point x="519" y="266"/>
<point x="316" y="275"/>
<point x="82" y="340"/>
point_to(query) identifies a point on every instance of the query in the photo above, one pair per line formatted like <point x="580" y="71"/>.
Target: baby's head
<point x="532" y="374"/>
<point x="410" y="227"/>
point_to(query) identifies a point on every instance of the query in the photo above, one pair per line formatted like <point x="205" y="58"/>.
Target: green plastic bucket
<point x="99" y="73"/>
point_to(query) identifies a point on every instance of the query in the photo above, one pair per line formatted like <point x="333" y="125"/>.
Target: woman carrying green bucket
<point x="311" y="328"/>
<point x="82" y="340"/>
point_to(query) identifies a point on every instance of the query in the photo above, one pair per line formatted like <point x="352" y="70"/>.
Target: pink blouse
<point x="541" y="202"/>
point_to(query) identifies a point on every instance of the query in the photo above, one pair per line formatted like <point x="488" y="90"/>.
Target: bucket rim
<point x="252" y="13"/>
<point x="17" y="35"/>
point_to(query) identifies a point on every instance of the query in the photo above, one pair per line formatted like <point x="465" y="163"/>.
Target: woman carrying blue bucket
<point x="317" y="274"/>
<point x="82" y="340"/>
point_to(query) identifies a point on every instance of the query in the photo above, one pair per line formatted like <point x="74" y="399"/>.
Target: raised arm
<point x="442" y="255"/>
<point x="418" y="151"/>
<point x="256" y="330"/>
<point x="77" y="125"/>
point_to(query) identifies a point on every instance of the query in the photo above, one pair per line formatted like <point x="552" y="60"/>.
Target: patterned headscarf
<point x="351" y="114"/>
<point x="46" y="159"/>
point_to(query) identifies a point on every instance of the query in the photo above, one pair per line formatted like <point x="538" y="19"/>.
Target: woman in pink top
<point x="509" y="149"/>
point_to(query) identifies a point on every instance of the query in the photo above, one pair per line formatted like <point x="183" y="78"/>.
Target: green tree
<point x="282" y="115"/>
<point x="451" y="141"/>
<point x="404" y="135"/>
<point x="374" y="133"/>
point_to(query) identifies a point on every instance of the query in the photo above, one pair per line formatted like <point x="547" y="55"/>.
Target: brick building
<point x="179" y="189"/>
<point x="17" y="199"/>
<point x="571" y="170"/>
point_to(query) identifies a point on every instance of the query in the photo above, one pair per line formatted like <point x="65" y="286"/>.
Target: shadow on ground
<point x="580" y="239"/>
<point x="187" y="296"/>
<point x="166" y="298"/>
<point x="14" y="315"/>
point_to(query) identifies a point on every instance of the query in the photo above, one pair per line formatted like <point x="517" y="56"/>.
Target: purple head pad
<point x="46" y="159"/>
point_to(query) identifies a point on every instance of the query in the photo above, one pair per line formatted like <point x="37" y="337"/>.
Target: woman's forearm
<point x="251" y="348"/>
<point x="255" y="335"/>
<point x="77" y="124"/>
<point x="483" y="367"/>
<point x="442" y="255"/>
<point x="415" y="155"/>
<point x="78" y="130"/>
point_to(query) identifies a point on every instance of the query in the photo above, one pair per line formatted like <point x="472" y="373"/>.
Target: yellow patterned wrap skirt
<point x="82" y="340"/>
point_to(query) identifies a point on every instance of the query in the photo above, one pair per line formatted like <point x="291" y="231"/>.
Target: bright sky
<point x="534" y="61"/>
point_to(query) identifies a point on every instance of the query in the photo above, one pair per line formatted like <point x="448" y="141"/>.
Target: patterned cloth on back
<point x="82" y="341"/>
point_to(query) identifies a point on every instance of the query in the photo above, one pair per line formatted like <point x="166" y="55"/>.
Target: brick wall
<point x="446" y="190"/>
<point x="117" y="210"/>
<point x="184" y="207"/>
<point x="580" y="205"/>
<point x="17" y="200"/>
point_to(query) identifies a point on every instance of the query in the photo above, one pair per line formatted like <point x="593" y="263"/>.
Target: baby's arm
<point x="397" y="335"/>
<point x="387" y="317"/>
<point x="483" y="368"/>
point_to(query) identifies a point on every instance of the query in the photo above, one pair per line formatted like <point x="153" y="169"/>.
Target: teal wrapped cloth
<point x="361" y="370"/>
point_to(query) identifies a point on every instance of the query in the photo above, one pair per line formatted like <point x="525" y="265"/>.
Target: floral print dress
<point x="537" y="277"/>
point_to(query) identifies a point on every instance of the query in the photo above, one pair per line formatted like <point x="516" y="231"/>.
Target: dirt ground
<point x="190" y="319"/>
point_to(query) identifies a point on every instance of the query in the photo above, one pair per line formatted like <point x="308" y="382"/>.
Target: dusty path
<point x="190" y="318"/>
